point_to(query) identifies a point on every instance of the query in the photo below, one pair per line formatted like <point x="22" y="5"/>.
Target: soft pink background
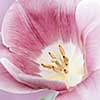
<point x="4" y="5"/>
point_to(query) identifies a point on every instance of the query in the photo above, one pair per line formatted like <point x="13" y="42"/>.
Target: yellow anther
<point x="47" y="66"/>
<point x="52" y="55"/>
<point x="54" y="59"/>
<point x="65" y="71"/>
<point x="57" y="69"/>
<point x="65" y="60"/>
<point x="56" y="62"/>
<point x="61" y="49"/>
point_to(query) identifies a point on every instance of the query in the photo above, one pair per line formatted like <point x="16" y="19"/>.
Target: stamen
<point x="59" y="66"/>
<point x="54" y="59"/>
<point x="52" y="55"/>
<point x="65" y="71"/>
<point x="56" y="62"/>
<point x="57" y="69"/>
<point x="65" y="60"/>
<point x="47" y="66"/>
<point x="61" y="49"/>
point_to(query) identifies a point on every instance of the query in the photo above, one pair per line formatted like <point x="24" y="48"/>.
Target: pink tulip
<point x="51" y="45"/>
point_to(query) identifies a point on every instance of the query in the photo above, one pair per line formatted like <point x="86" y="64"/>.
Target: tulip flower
<point x="51" y="45"/>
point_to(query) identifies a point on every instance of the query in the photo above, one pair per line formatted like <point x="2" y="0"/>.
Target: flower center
<point x="62" y="62"/>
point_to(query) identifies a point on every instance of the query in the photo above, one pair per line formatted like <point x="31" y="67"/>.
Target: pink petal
<point x="88" y="21"/>
<point x="88" y="90"/>
<point x="22" y="62"/>
<point x="11" y="77"/>
<point x="17" y="33"/>
<point x="30" y="26"/>
<point x="60" y="18"/>
<point x="21" y="35"/>
<point x="9" y="84"/>
<point x="37" y="82"/>
<point x="36" y="96"/>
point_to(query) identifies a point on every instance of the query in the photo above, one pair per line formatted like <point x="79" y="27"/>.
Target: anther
<point x="53" y="67"/>
<point x="61" y="49"/>
<point x="65" y="60"/>
<point x="54" y="59"/>
<point x="52" y="55"/>
<point x="56" y="62"/>
<point x="46" y="66"/>
<point x="66" y="64"/>
<point x="57" y="69"/>
<point x="65" y="71"/>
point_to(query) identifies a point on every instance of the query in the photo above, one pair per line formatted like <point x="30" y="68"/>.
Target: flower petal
<point x="88" y="90"/>
<point x="13" y="70"/>
<point x="30" y="26"/>
<point x="59" y="18"/>
<point x="22" y="62"/>
<point x="38" y="82"/>
<point x="17" y="35"/>
<point x="88" y="21"/>
<point x="23" y="36"/>
<point x="30" y="96"/>
<point x="32" y="81"/>
<point x="9" y="84"/>
<point x="11" y="81"/>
